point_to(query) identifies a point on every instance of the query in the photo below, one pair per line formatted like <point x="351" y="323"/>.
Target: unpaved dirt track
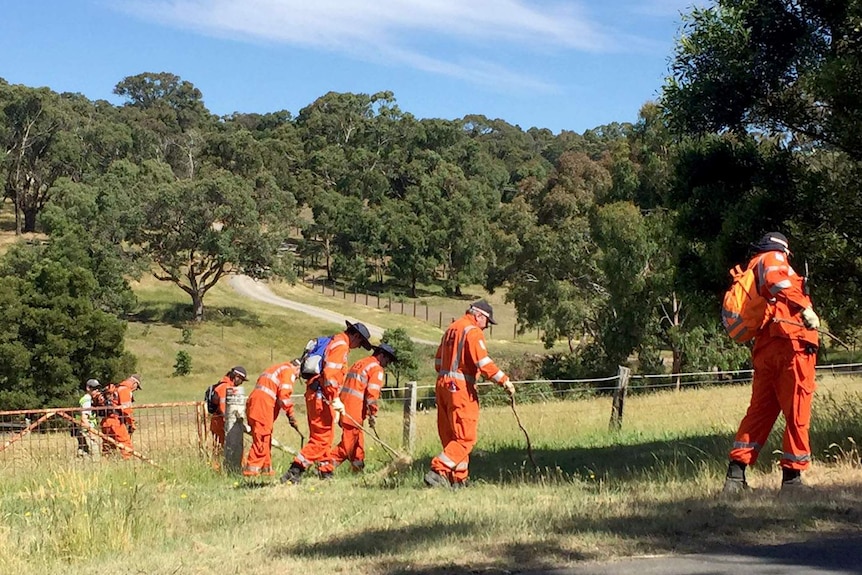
<point x="250" y="288"/>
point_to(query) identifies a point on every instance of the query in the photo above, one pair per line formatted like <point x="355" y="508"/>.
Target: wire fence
<point x="42" y="436"/>
<point x="35" y="438"/>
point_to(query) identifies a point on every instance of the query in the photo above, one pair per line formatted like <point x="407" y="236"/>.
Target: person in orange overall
<point x="236" y="376"/>
<point x="323" y="404"/>
<point x="461" y="358"/>
<point x="784" y="356"/>
<point x="359" y="394"/>
<point x="125" y="393"/>
<point x="270" y="395"/>
<point x="112" y="424"/>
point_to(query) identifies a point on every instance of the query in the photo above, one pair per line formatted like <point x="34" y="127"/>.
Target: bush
<point x="183" y="365"/>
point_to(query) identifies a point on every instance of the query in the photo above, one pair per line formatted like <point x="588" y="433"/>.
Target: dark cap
<point x="360" y="329"/>
<point x="485" y="308"/>
<point x="240" y="371"/>
<point x="387" y="349"/>
<point x="92" y="384"/>
<point x="772" y="242"/>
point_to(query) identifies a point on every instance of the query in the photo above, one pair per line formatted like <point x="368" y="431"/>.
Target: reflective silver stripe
<point x="286" y="386"/>
<point x="303" y="461"/>
<point x="484" y="361"/>
<point x="498" y="376"/>
<point x="126" y="404"/>
<point x="336" y="343"/>
<point x="446" y="461"/>
<point x="461" y="466"/>
<point x="774" y="268"/>
<point x="799" y="458"/>
<point x="373" y="386"/>
<point x="783" y="284"/>
<point x="330" y="383"/>
<point x="272" y="378"/>
<point x="358" y="376"/>
<point x="266" y="390"/>
<point x="743" y="445"/>
<point x="287" y="402"/>
<point x="251" y="468"/>
<point x="333" y="365"/>
<point x="351" y="391"/>
<point x="457" y="375"/>
<point x="370" y="402"/>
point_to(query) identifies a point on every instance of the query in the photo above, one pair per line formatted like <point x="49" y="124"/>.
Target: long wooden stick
<point x="821" y="330"/>
<point x="527" y="435"/>
<point x="110" y="440"/>
<point x="27" y="429"/>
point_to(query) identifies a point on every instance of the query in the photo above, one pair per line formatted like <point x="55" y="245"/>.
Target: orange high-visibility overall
<point x="270" y="395"/>
<point x="319" y="393"/>
<point x="359" y="394"/>
<point x="461" y="358"/>
<point x="124" y="393"/>
<point x="784" y="357"/>
<point x="217" y="418"/>
<point x="112" y="424"/>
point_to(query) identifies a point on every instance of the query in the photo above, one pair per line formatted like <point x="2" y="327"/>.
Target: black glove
<point x="292" y="421"/>
<point x="372" y="421"/>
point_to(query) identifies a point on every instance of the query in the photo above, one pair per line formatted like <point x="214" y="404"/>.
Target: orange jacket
<point x="272" y="393"/>
<point x="221" y="391"/>
<point x="361" y="390"/>
<point x="331" y="379"/>
<point x="462" y="356"/>
<point x="783" y="288"/>
<point x="125" y="398"/>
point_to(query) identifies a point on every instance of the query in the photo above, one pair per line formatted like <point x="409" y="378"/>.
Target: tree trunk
<point x="29" y="220"/>
<point x="198" y="306"/>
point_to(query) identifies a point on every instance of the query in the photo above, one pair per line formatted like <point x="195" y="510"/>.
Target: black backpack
<point x="211" y="399"/>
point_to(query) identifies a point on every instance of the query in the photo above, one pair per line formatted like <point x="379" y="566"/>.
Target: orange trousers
<point x="116" y="430"/>
<point x="320" y="434"/>
<point x="351" y="448"/>
<point x="259" y="459"/>
<point x="457" y="426"/>
<point x="783" y="383"/>
<point x="217" y="431"/>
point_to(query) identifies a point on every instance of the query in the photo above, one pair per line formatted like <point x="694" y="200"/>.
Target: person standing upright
<point x="218" y="402"/>
<point x="126" y="393"/>
<point x="461" y="357"/>
<point x="271" y="394"/>
<point x="322" y="403"/>
<point x="87" y="444"/>
<point x="359" y="394"/>
<point x="784" y="356"/>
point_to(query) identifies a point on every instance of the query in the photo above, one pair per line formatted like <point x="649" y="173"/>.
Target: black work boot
<point x="293" y="475"/>
<point x="735" y="481"/>
<point x="434" y="479"/>
<point x="461" y="484"/>
<point x="791" y="482"/>
<point x="325" y="475"/>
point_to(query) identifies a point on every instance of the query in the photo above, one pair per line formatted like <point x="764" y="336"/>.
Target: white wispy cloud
<point x="395" y="30"/>
<point x="664" y="8"/>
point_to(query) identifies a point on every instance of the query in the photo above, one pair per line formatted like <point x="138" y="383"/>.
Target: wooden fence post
<point x="409" y="442"/>
<point x="616" y="422"/>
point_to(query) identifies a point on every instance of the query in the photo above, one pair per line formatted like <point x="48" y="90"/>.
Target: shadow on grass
<point x="179" y="315"/>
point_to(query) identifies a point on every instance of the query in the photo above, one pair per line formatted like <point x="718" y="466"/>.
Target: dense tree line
<point x="617" y="240"/>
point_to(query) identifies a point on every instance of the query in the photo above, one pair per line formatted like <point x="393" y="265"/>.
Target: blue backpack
<point x="311" y="362"/>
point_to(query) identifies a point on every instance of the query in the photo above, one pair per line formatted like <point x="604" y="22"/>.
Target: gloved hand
<point x="810" y="319"/>
<point x="509" y="387"/>
<point x="292" y="421"/>
<point x="337" y="405"/>
<point x="372" y="421"/>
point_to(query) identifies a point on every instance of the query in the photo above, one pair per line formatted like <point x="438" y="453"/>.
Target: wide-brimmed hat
<point x="485" y="308"/>
<point x="92" y="384"/>
<point x="136" y="377"/>
<point x="362" y="331"/>
<point x="387" y="349"/>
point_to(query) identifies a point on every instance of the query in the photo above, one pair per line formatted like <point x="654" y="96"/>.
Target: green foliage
<point x="183" y="363"/>
<point x="56" y="336"/>
<point x="407" y="366"/>
<point x="187" y="336"/>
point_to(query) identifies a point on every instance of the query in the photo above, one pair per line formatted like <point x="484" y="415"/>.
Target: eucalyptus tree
<point x="42" y="141"/>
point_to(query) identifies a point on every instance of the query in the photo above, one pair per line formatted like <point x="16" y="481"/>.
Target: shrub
<point x="183" y="365"/>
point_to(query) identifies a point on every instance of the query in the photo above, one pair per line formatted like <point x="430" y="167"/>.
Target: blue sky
<point x="557" y="65"/>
